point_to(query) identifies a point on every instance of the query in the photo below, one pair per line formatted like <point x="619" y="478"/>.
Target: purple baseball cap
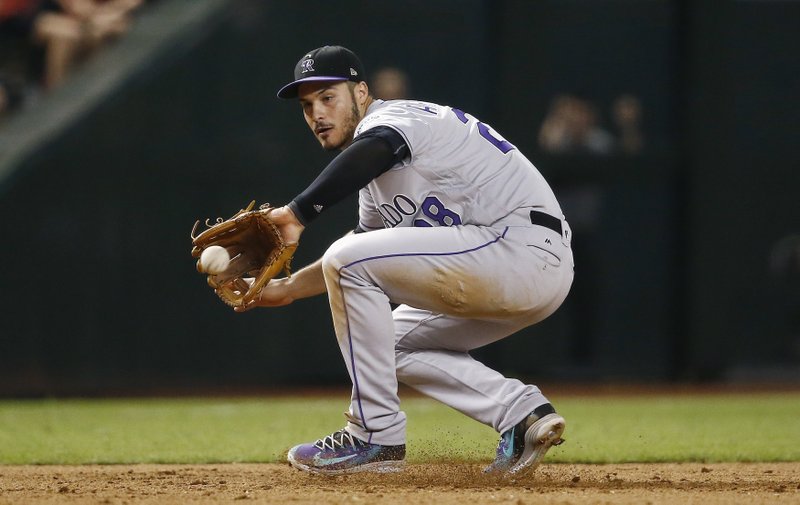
<point x="327" y="63"/>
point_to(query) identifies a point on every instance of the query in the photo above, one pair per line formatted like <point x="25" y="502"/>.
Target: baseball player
<point x="458" y="229"/>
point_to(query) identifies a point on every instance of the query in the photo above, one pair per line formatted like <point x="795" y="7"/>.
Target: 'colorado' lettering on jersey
<point x="432" y="208"/>
<point x="459" y="171"/>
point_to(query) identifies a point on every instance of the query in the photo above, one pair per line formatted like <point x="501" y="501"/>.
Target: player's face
<point x="331" y="111"/>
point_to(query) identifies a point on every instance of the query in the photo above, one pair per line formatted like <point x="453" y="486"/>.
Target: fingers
<point x="291" y="228"/>
<point x="274" y="294"/>
<point x="230" y="292"/>
<point x="282" y="215"/>
<point x="245" y="307"/>
<point x="240" y="287"/>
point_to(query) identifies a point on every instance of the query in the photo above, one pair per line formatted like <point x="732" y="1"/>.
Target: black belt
<point x="546" y="220"/>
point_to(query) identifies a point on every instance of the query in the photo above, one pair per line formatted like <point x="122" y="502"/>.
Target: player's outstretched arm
<point x="304" y="283"/>
<point x="307" y="282"/>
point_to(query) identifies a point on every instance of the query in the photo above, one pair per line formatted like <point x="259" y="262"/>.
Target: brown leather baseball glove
<point x="257" y="250"/>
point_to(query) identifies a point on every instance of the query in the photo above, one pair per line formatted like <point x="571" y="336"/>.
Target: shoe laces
<point x="338" y="438"/>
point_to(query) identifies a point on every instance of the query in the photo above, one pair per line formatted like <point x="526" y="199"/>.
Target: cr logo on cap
<point x="307" y="65"/>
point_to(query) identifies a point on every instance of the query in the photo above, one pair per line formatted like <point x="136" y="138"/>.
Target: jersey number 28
<point x="432" y="207"/>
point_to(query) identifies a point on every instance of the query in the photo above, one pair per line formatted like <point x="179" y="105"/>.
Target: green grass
<point x="757" y="427"/>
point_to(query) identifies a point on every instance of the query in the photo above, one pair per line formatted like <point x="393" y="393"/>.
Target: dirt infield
<point x="429" y="484"/>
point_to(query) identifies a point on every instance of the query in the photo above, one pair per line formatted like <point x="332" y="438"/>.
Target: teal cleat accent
<point x="524" y="446"/>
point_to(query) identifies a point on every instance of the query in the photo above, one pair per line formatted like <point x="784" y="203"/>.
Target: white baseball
<point x="214" y="259"/>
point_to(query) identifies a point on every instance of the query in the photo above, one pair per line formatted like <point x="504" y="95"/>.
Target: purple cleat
<point x="341" y="452"/>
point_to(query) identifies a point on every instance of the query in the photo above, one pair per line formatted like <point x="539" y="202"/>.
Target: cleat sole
<point x="539" y="438"/>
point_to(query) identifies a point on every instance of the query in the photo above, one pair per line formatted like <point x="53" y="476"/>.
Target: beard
<point x="348" y="126"/>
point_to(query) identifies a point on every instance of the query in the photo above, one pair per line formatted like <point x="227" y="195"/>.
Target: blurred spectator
<point x="17" y="9"/>
<point x="626" y="112"/>
<point x="70" y="30"/>
<point x="13" y="9"/>
<point x="571" y="127"/>
<point x="20" y="58"/>
<point x="11" y="94"/>
<point x="390" y="83"/>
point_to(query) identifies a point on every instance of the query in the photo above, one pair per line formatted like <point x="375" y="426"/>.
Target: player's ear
<point x="362" y="92"/>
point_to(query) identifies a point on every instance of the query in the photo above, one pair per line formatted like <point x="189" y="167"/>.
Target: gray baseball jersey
<point x="454" y="242"/>
<point x="459" y="171"/>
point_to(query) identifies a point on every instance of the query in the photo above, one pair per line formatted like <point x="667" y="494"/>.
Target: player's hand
<point x="274" y="294"/>
<point x="287" y="223"/>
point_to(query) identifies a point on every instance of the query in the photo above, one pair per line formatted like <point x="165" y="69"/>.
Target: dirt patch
<point x="439" y="484"/>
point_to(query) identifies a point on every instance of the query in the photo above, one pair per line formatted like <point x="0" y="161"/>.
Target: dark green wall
<point x="744" y="179"/>
<point x="99" y="293"/>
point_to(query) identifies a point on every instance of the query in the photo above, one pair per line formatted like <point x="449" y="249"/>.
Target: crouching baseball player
<point x="458" y="229"/>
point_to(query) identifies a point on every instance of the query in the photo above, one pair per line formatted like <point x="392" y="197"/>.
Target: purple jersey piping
<point x="347" y="317"/>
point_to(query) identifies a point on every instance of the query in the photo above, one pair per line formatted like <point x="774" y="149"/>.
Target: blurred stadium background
<point x="669" y="129"/>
